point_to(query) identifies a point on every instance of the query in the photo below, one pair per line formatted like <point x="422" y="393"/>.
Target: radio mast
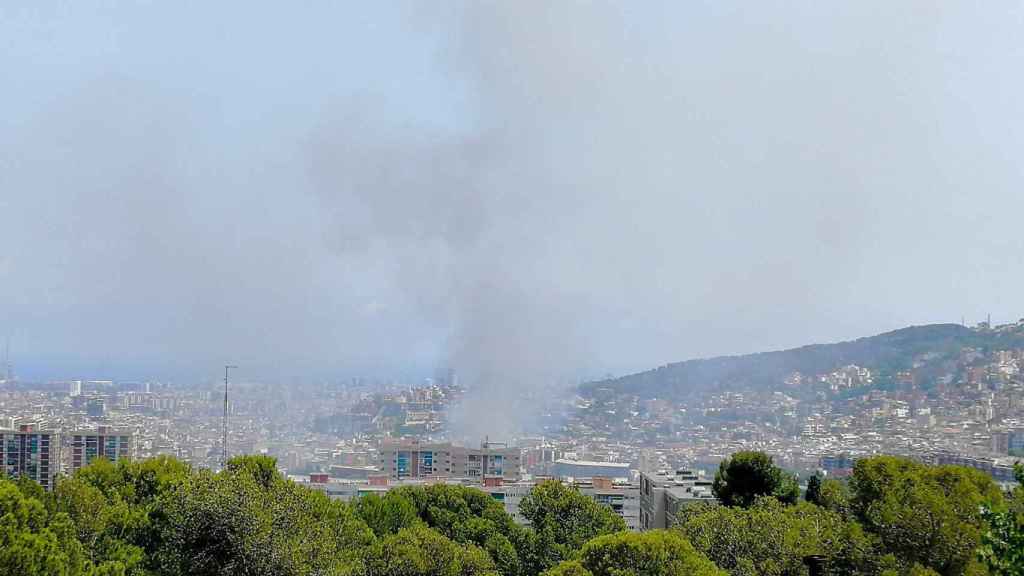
<point x="9" y="370"/>
<point x="224" y="444"/>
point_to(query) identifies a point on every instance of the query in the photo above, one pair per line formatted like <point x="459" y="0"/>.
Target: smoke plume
<point x="528" y="192"/>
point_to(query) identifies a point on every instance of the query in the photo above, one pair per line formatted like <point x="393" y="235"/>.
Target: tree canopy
<point x="159" y="517"/>
<point x="813" y="494"/>
<point x="563" y="520"/>
<point x="771" y="539"/>
<point x="1002" y="548"/>
<point x="746" y="476"/>
<point x="929" y="515"/>
<point x="654" y="553"/>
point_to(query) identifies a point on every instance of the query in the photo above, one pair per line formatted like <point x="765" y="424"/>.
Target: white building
<point x="622" y="497"/>
<point x="663" y="494"/>
<point x="565" y="468"/>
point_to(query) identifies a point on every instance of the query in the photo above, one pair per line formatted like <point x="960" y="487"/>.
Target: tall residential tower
<point x="32" y="453"/>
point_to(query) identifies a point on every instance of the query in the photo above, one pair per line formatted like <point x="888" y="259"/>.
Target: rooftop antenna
<point x="224" y="444"/>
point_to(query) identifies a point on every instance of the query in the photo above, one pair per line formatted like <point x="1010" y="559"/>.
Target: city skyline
<point x="511" y="288"/>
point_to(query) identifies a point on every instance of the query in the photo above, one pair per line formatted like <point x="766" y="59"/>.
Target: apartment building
<point x="30" y="452"/>
<point x="415" y="460"/>
<point x="566" y="468"/>
<point x="622" y="498"/>
<point x="104" y="442"/>
<point x="664" y="494"/>
<point x="1001" y="470"/>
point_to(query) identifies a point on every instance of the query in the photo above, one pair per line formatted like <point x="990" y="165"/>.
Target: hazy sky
<point x="519" y="189"/>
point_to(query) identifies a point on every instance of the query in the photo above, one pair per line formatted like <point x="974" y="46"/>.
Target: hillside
<point x="917" y="354"/>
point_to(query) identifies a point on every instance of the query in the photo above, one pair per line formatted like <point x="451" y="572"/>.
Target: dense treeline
<point x="159" y="517"/>
<point x="894" y="516"/>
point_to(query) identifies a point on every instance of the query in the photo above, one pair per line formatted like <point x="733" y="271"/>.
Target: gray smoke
<point x="465" y="254"/>
<point x="528" y="192"/>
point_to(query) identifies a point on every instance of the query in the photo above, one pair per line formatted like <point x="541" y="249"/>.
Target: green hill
<point x="925" y="352"/>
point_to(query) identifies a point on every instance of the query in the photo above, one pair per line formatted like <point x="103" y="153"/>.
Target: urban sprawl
<point x="642" y="456"/>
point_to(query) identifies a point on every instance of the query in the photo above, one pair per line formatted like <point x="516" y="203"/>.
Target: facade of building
<point x="1000" y="471"/>
<point x="564" y="468"/>
<point x="87" y="445"/>
<point x="837" y="465"/>
<point x="622" y="498"/>
<point x="415" y="460"/>
<point x="1015" y="443"/>
<point x="511" y="495"/>
<point x="1009" y="442"/>
<point x="29" y="452"/>
<point x="664" y="494"/>
<point x="1000" y="442"/>
<point x="95" y="407"/>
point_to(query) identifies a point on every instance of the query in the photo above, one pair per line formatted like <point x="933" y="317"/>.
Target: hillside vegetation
<point x="916" y="355"/>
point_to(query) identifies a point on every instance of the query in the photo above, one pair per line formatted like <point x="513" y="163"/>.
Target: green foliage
<point x="112" y="506"/>
<point x="918" y="570"/>
<point x="569" y="568"/>
<point x="1002" y="548"/>
<point x="388" y="514"/>
<point x="234" y="523"/>
<point x="835" y="496"/>
<point x="32" y="490"/>
<point x="420" y="551"/>
<point x="813" y="494"/>
<point x="32" y="542"/>
<point x="106" y="527"/>
<point x="263" y="469"/>
<point x="929" y="515"/>
<point x="161" y="518"/>
<point x="747" y="476"/>
<point x="770" y="539"/>
<point x="655" y="553"/>
<point x="563" y="520"/>
<point x="148" y="479"/>
<point x="471" y="516"/>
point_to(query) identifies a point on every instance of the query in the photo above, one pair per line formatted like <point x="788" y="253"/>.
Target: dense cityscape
<point x="358" y="437"/>
<point x="511" y="288"/>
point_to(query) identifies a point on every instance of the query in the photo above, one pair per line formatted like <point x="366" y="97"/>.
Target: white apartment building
<point x="623" y="498"/>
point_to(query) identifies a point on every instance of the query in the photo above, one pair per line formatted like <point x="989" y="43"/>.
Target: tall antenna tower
<point x="224" y="444"/>
<point x="9" y="370"/>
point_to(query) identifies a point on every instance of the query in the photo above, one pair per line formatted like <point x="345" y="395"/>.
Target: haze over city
<point x="524" y="191"/>
<point x="511" y="288"/>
